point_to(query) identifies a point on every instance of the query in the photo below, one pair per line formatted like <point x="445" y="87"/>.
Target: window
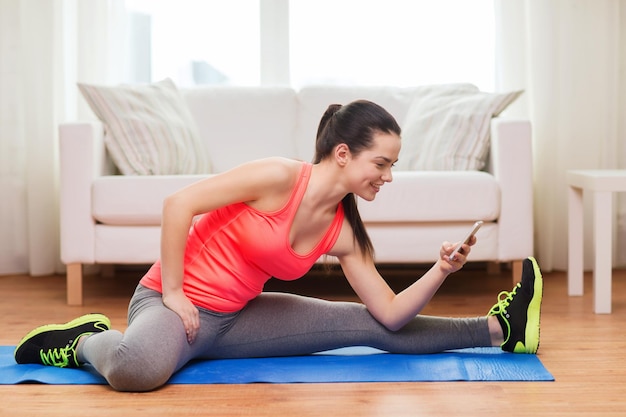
<point x="365" y="42"/>
<point x="195" y="42"/>
<point x="404" y="42"/>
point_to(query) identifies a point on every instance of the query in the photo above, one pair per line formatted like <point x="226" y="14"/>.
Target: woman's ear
<point x="342" y="154"/>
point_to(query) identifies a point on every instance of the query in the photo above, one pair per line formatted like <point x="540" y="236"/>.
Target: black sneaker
<point x="55" y="344"/>
<point x="519" y="311"/>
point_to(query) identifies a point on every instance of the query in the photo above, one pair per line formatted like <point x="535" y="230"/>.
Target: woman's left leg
<point x="276" y="324"/>
<point x="281" y="324"/>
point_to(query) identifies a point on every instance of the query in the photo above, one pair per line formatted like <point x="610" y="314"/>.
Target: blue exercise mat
<point x="354" y="364"/>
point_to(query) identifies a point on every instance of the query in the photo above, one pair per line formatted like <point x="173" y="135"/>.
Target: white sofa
<point x="114" y="219"/>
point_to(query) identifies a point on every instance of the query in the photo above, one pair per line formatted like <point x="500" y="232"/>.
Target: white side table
<point x="602" y="184"/>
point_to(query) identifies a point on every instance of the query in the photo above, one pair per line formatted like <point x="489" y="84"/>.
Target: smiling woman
<point x="365" y="42"/>
<point x="275" y="217"/>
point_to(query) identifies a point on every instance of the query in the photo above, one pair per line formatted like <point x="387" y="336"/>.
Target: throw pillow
<point x="449" y="129"/>
<point x="148" y="129"/>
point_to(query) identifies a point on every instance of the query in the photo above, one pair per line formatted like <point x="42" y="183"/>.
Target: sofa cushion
<point x="240" y="124"/>
<point x="149" y="130"/>
<point x="433" y="196"/>
<point x="411" y="197"/>
<point x="134" y="200"/>
<point x="449" y="128"/>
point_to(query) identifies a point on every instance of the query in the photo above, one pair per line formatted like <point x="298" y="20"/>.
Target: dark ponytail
<point x="354" y="125"/>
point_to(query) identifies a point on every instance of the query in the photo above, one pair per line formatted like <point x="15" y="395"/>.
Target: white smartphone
<point x="467" y="238"/>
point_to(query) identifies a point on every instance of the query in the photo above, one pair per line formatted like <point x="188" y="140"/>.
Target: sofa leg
<point x="74" y="284"/>
<point x="517" y="271"/>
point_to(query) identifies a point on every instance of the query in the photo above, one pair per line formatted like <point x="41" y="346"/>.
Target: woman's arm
<point x="390" y="309"/>
<point x="263" y="183"/>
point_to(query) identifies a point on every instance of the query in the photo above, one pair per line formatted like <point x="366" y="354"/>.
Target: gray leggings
<point x="274" y="324"/>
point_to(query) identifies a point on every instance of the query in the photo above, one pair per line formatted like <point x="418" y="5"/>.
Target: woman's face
<point x="371" y="169"/>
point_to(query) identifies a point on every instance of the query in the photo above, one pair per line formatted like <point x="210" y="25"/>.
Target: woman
<point x="274" y="218"/>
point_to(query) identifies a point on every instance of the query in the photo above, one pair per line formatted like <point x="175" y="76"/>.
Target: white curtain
<point x="45" y="47"/>
<point x="568" y="55"/>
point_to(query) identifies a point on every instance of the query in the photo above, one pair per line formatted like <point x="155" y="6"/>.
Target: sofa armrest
<point x="511" y="162"/>
<point x="82" y="158"/>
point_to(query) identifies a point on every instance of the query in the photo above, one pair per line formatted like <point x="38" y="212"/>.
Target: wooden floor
<point x="585" y="352"/>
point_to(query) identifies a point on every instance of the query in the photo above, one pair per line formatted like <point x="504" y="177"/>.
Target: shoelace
<point x="504" y="299"/>
<point x="58" y="357"/>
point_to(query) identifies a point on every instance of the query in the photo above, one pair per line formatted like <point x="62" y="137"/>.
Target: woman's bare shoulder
<point x="274" y="170"/>
<point x="267" y="182"/>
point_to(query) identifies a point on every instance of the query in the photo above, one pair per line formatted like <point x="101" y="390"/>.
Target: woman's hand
<point x="178" y="302"/>
<point x="448" y="265"/>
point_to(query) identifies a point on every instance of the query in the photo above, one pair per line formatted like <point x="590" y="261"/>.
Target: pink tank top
<point x="233" y="251"/>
